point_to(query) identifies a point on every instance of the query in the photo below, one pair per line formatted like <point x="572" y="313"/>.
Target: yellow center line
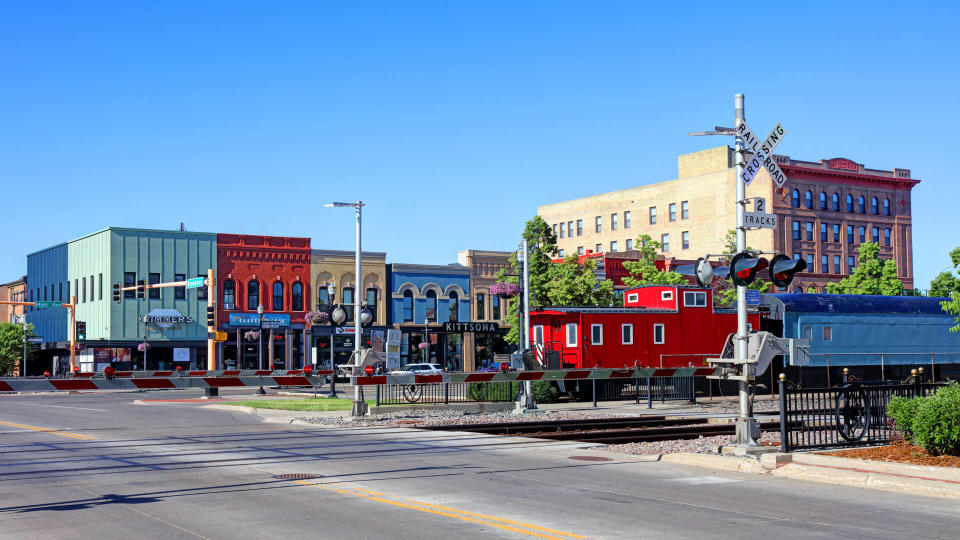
<point x="454" y="513"/>
<point x="48" y="430"/>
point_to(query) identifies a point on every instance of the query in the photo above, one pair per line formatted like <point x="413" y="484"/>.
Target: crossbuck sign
<point x="762" y="154"/>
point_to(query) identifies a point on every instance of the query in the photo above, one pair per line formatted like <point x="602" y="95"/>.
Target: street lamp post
<point x="23" y="366"/>
<point x="426" y="340"/>
<point x="358" y="280"/>
<point x="260" y="344"/>
<point x="331" y="295"/>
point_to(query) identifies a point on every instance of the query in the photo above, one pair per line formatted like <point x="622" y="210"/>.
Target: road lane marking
<point x="65" y="407"/>
<point x="702" y="480"/>
<point x="48" y="430"/>
<point x="500" y="523"/>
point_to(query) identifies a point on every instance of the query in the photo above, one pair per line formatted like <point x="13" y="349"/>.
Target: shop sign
<point x="345" y="330"/>
<point x="479" y="327"/>
<point x="166" y="318"/>
<point x="393" y="337"/>
<point x="270" y="320"/>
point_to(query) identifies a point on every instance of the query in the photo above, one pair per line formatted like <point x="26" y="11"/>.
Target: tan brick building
<point x="15" y="291"/>
<point x="825" y="211"/>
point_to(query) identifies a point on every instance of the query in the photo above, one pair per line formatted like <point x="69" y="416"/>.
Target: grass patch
<point x="305" y="404"/>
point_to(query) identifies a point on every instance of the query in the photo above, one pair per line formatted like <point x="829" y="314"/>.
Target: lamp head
<point x="339" y="315"/>
<point x="260" y="309"/>
<point x="331" y="290"/>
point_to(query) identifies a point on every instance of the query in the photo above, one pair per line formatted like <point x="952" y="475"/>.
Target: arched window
<point x="886" y="207"/>
<point x="823" y="201"/>
<point x="253" y="294"/>
<point x="454" y="307"/>
<point x="296" y="297"/>
<point x="431" y="305"/>
<point x="808" y="199"/>
<point x="229" y="294"/>
<point x="323" y="296"/>
<point x="860" y="205"/>
<point x="277" y="296"/>
<point x="796" y="198"/>
<point x="408" y="306"/>
<point x="836" y="202"/>
<point x="849" y="203"/>
<point x="875" y="206"/>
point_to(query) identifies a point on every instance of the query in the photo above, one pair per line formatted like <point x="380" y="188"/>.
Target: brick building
<point x="827" y="209"/>
<point x="15" y="291"/>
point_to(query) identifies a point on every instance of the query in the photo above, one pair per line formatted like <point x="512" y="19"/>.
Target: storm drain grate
<point x="295" y="476"/>
<point x="591" y="458"/>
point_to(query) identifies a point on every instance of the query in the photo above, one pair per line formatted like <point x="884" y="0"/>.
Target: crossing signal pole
<point x="212" y="319"/>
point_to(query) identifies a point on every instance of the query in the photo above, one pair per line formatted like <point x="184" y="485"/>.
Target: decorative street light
<point x="338" y="316"/>
<point x="260" y="343"/>
<point x="426" y="340"/>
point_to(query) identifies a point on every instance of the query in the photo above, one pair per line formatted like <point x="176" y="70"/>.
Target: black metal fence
<point x="433" y="393"/>
<point x="850" y="415"/>
<point x="649" y="389"/>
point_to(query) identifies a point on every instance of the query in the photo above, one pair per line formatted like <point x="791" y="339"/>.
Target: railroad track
<point x="607" y="430"/>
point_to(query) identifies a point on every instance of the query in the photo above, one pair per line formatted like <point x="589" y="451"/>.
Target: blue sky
<point x="451" y="120"/>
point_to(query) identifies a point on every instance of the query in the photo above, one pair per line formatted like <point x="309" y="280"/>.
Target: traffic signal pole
<point x="211" y="304"/>
<point x="72" y="328"/>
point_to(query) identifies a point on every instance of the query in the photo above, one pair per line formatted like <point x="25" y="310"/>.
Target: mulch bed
<point x="900" y="452"/>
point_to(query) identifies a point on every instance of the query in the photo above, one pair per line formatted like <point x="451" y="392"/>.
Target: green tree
<point x="724" y="291"/>
<point x="645" y="271"/>
<point x="573" y="284"/>
<point x="873" y="275"/>
<point x="952" y="306"/>
<point x="945" y="284"/>
<point x="11" y="346"/>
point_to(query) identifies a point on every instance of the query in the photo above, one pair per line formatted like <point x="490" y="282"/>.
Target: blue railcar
<point x="881" y="336"/>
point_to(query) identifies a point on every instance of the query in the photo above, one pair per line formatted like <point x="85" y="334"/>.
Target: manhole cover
<point x="295" y="476"/>
<point x="591" y="458"/>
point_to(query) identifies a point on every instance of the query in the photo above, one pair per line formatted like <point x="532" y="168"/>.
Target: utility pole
<point x="23" y="366"/>
<point x="357" y="286"/>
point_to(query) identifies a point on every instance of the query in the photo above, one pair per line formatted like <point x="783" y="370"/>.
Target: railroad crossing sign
<point x="762" y="154"/>
<point x="46" y="304"/>
<point x="195" y="283"/>
<point x="759" y="218"/>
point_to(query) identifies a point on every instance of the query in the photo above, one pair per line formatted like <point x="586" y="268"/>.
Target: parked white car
<point x="418" y="369"/>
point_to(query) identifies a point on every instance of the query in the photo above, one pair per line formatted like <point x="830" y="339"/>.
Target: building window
<point x="99" y="288"/>
<point x="579" y="250"/>
<point x="614" y="222"/>
<point x="629" y="244"/>
<point x="626" y="334"/>
<point x="836" y="202"/>
<point x="795" y="198"/>
<point x="571" y="334"/>
<point x="695" y="298"/>
<point x="653" y="215"/>
<point x="83" y="293"/>
<point x="598" y="227"/>
<point x="886" y="237"/>
<point x="836" y="265"/>
<point x="570" y="229"/>
<point x="875" y="206"/>
<point x="836" y="233"/>
<point x="253" y="295"/>
<point x="579" y="227"/>
<point x="60" y="292"/>
<point x="860" y="205"/>
<point x="808" y="199"/>
<point x="408" y="306"/>
<point x="555" y="229"/>
<point x="876" y="235"/>
<point x="598" y="248"/>
<point x="810" y="230"/>
<point x="684" y="209"/>
<point x="658" y="337"/>
<point x="154" y="280"/>
<point x="431" y="305"/>
<point x="92" y="287"/>
<point x="810" y="262"/>
<point x="277" y="296"/>
<point x="823" y="201"/>
<point x="850" y="234"/>
<point x="673" y="211"/>
<point x="685" y="239"/>
<point x="202" y="291"/>
<point x="613" y="246"/>
<point x="296" y="297"/>
<point x="230" y="294"/>
<point x="129" y="280"/>
<point x="323" y="296"/>
<point x="562" y="231"/>
<point x="886" y="207"/>
<point x="454" y="307"/>
<point x="849" y="203"/>
<point x="796" y="230"/>
<point x="561" y="253"/>
<point x="626" y="219"/>
<point x="44" y="293"/>
<point x="480" y="307"/>
<point x="664" y="243"/>
<point x="824" y="264"/>
<point x="495" y="308"/>
<point x="179" y="293"/>
<point x="348" y="300"/>
<point x="850" y="264"/>
<point x="596" y="334"/>
<point x="823" y="232"/>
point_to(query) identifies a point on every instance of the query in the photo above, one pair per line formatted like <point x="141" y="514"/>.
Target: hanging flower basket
<point x="143" y="346"/>
<point x="505" y="290"/>
<point x="251" y="335"/>
<point x="423" y="345"/>
<point x="317" y="317"/>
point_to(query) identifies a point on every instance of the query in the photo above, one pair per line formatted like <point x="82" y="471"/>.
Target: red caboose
<point x="659" y="326"/>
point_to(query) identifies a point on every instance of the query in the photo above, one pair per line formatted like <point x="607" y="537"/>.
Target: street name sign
<point x="35" y="340"/>
<point x="46" y="304"/>
<point x="759" y="220"/>
<point x="762" y="154"/>
<point x="194" y="283"/>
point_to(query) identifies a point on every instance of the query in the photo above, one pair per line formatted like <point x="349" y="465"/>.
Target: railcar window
<point x="827" y="333"/>
<point x="571" y="334"/>
<point x="596" y="334"/>
<point x="627" y="334"/>
<point x="807" y="332"/>
<point x="695" y="299"/>
<point x="658" y="334"/>
<point x="666" y="295"/>
<point x="633" y="297"/>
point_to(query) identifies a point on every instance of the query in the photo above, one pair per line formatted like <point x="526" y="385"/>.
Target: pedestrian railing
<point x="445" y="393"/>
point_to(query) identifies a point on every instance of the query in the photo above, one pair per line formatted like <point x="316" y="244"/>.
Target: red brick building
<point x="271" y="271"/>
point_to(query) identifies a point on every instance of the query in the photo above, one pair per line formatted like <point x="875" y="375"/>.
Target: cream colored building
<point x="479" y="349"/>
<point x="337" y="266"/>
<point x="821" y="204"/>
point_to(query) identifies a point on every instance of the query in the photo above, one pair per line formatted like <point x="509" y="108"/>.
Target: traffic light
<point x="211" y="316"/>
<point x="141" y="289"/>
<point x="81" y="331"/>
<point x="783" y="268"/>
<point x="744" y="268"/>
<point x="116" y="292"/>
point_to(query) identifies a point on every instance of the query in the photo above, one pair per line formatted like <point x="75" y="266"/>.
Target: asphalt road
<point x="98" y="466"/>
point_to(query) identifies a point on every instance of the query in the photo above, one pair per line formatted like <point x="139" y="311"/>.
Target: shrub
<point x="936" y="425"/>
<point x="544" y="392"/>
<point x="495" y="391"/>
<point x="903" y="410"/>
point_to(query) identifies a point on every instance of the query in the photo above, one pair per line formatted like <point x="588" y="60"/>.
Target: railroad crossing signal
<point x="762" y="154"/>
<point x="116" y="292"/>
<point x="744" y="267"/>
<point x="783" y="268"/>
<point x="141" y="289"/>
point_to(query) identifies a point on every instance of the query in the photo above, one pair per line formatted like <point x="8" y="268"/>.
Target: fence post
<point x="594" y="392"/>
<point x="693" y="389"/>
<point x="446" y="393"/>
<point x="649" y="393"/>
<point x="784" y="443"/>
<point x="378" y="395"/>
<point x="636" y="385"/>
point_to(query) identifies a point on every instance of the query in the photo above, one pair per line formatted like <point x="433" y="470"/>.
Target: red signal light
<point x="368" y="370"/>
<point x="307" y="370"/>
<point x="504" y="366"/>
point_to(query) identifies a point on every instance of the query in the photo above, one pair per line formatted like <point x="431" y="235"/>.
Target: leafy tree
<point x="872" y="276"/>
<point x="724" y="291"/>
<point x="952" y="306"/>
<point x="11" y="346"/>
<point x="573" y="284"/>
<point x="645" y="271"/>
<point x="945" y="284"/>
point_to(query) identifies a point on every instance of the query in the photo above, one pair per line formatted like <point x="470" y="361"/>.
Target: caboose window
<point x="633" y="297"/>
<point x="627" y="334"/>
<point x="666" y="295"/>
<point x="571" y="334"/>
<point x="596" y="334"/>
<point x="538" y="334"/>
<point x="658" y="334"/>
<point x="695" y="298"/>
<point x="827" y="333"/>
